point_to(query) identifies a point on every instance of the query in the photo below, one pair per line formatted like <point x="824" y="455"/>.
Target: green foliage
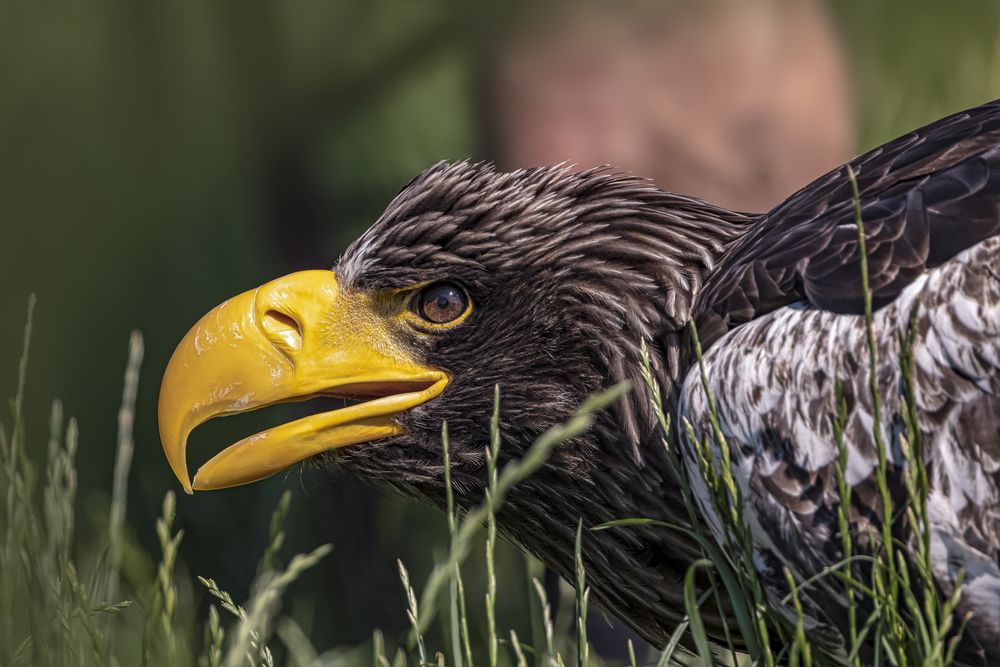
<point x="50" y="612"/>
<point x="59" y="612"/>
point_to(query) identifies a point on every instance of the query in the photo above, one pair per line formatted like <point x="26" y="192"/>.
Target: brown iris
<point x="441" y="303"/>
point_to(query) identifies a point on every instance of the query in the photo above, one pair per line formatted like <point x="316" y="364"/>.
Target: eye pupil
<point x="441" y="303"/>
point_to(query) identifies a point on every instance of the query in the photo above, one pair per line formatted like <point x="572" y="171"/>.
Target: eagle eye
<point x="441" y="303"/>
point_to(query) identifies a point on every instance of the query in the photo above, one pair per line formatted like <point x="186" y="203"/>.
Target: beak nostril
<point x="283" y="330"/>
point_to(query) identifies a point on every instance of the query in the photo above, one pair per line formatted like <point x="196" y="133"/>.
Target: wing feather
<point x="774" y="379"/>
<point x="924" y="198"/>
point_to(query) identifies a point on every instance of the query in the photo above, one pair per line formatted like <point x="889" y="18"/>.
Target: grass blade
<point x="691" y="605"/>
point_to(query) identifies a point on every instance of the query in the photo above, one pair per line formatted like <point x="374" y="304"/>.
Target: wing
<point x="924" y="197"/>
<point x="774" y="380"/>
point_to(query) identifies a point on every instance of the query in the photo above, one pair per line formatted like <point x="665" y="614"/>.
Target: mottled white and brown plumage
<point x="784" y="313"/>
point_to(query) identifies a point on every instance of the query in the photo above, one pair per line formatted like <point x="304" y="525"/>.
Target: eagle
<point x="553" y="284"/>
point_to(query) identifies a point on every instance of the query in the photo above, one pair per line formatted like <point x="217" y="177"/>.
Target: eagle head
<point x="542" y="282"/>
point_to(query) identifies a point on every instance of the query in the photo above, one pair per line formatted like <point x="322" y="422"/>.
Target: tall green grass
<point x="122" y="606"/>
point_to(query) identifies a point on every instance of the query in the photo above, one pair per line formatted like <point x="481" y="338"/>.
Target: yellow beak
<point x="292" y="339"/>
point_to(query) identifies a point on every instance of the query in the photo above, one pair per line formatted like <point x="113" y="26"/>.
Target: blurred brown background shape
<point x="739" y="103"/>
<point x="156" y="158"/>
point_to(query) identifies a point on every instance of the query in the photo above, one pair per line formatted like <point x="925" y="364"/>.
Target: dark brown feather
<point x="924" y="197"/>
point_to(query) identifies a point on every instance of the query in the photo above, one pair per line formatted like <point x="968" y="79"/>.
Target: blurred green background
<point x="156" y="158"/>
